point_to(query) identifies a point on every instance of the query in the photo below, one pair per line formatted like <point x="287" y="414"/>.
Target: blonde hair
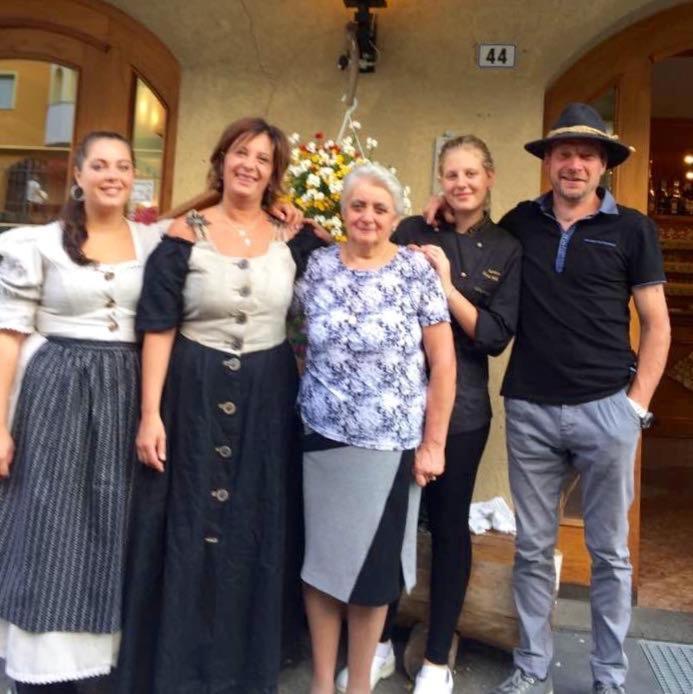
<point x="469" y="142"/>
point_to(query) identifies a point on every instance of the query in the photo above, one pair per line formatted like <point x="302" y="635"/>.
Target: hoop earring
<point x="76" y="193"/>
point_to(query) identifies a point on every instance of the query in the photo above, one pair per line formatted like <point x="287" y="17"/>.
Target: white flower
<point x="390" y="317"/>
<point x="372" y="295"/>
<point x="319" y="332"/>
<point x="319" y="195"/>
<point x="373" y="332"/>
<point x="313" y="181"/>
<point x="311" y="147"/>
<point x="390" y="400"/>
<point x="390" y="280"/>
<point x="340" y="282"/>
<point x="294" y="138"/>
<point x="355" y="125"/>
<point x="371" y="143"/>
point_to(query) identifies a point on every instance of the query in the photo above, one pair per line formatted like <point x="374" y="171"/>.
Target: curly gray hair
<point x="377" y="175"/>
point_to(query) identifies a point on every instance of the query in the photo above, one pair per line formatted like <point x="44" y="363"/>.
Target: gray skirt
<point x="64" y="508"/>
<point x="361" y="510"/>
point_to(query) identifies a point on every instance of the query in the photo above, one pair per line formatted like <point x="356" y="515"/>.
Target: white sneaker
<point x="383" y="666"/>
<point x="433" y="680"/>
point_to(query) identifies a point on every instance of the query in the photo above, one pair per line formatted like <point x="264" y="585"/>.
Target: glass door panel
<point x="148" y="141"/>
<point x="37" y="116"/>
<point x="606" y="107"/>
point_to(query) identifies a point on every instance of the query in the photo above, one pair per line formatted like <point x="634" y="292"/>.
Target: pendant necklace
<point x="244" y="237"/>
<point x="244" y="231"/>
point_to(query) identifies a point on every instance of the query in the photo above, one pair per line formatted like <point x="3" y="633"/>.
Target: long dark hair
<point x="73" y="216"/>
<point x="251" y="127"/>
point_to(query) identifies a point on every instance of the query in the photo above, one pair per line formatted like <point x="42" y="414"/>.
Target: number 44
<point x="496" y="55"/>
<point x="502" y="56"/>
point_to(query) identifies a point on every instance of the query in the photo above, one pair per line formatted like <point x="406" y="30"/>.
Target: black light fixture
<point x="363" y="31"/>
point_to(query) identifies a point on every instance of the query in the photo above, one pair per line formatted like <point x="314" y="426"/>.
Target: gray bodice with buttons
<point x="237" y="305"/>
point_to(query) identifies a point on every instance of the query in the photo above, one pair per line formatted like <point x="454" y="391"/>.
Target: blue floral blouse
<point x="365" y="374"/>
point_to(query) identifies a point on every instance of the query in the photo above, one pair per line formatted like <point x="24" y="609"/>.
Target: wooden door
<point x="622" y="64"/>
<point x="112" y="54"/>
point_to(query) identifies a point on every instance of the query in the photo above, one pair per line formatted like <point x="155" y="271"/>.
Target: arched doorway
<point x="618" y="77"/>
<point x="68" y="67"/>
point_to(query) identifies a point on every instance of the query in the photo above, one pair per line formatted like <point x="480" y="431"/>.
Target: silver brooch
<point x="197" y="222"/>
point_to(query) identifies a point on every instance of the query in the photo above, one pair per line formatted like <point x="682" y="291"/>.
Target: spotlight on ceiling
<point x="364" y="31"/>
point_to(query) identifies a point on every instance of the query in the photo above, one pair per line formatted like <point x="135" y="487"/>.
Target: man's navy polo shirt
<point x="572" y="343"/>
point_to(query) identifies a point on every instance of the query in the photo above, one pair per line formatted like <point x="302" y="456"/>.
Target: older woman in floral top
<point x="376" y="421"/>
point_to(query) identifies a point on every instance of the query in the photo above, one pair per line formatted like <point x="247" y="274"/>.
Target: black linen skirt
<point x="64" y="509"/>
<point x="214" y="558"/>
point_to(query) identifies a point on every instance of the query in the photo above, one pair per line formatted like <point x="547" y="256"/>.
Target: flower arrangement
<point x="316" y="173"/>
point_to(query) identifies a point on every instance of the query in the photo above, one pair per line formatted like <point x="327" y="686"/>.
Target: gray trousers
<point x="598" y="439"/>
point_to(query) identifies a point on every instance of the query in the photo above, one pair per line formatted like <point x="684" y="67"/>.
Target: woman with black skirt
<point x="68" y="293"/>
<point x="218" y="501"/>
<point x="479" y="266"/>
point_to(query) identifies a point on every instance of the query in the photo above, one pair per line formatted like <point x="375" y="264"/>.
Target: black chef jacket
<point x="485" y="268"/>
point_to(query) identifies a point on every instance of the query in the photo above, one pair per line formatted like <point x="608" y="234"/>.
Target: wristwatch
<point x="646" y="418"/>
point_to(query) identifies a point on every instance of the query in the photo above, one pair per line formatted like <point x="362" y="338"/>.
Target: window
<point x="35" y="140"/>
<point x="148" y="140"/>
<point x="8" y="84"/>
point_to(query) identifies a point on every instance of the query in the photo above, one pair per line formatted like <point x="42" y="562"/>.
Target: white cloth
<point x="56" y="656"/>
<point x="42" y="289"/>
<point x="493" y="514"/>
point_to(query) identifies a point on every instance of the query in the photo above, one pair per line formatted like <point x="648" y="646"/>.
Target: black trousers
<point x="447" y="502"/>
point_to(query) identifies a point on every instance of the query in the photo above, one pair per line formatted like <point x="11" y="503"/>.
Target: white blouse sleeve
<point x="150" y="234"/>
<point x="21" y="278"/>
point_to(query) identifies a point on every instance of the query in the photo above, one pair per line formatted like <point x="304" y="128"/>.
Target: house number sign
<point x="496" y="55"/>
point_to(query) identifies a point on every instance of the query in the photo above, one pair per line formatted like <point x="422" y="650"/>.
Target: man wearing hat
<point x="576" y="396"/>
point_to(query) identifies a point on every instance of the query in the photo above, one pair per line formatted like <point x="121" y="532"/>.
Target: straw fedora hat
<point x="582" y="122"/>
